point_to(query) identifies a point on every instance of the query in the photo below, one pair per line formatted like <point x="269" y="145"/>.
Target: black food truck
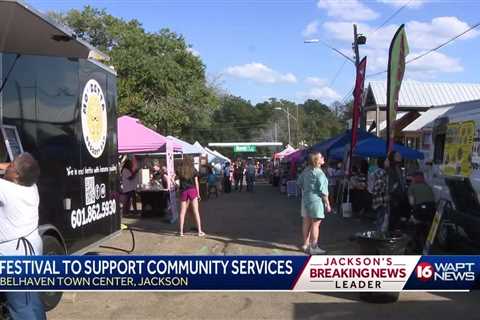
<point x="58" y="102"/>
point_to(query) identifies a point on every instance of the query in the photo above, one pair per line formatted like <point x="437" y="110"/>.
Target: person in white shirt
<point x="19" y="234"/>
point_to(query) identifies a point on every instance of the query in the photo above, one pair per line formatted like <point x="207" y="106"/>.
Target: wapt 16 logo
<point x="447" y="271"/>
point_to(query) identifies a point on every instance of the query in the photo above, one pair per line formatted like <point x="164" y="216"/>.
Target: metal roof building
<point x="416" y="95"/>
<point x="426" y="118"/>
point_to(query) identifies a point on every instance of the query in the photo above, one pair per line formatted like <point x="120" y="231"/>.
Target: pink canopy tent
<point x="295" y="156"/>
<point x="282" y="154"/>
<point x="134" y="137"/>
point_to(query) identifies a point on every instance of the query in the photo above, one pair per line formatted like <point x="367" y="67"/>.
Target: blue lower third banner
<point x="249" y="273"/>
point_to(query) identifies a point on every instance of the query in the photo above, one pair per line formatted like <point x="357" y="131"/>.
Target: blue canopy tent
<point x="375" y="148"/>
<point x="339" y="141"/>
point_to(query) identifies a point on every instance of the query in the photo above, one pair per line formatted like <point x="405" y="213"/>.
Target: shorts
<point x="311" y="214"/>
<point x="189" y="194"/>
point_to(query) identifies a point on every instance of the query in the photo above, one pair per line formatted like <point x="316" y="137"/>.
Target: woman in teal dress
<point x="314" y="186"/>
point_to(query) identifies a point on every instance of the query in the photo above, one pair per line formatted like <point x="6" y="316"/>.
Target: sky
<point x="256" y="49"/>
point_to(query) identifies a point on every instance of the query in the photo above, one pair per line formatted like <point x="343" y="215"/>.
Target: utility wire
<point x="348" y="94"/>
<point x="393" y="15"/>
<point x="444" y="44"/>
<point x="337" y="73"/>
<point x="431" y="50"/>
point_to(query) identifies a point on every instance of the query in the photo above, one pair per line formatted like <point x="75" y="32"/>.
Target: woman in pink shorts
<point x="189" y="194"/>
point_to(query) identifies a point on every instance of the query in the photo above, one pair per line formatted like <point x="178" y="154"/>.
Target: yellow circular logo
<point x="94" y="118"/>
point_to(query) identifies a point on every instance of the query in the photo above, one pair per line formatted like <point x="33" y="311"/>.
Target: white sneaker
<point x="316" y="251"/>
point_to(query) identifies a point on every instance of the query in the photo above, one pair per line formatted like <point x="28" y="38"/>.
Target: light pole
<point x="288" y="122"/>
<point x="330" y="47"/>
<point x="358" y="39"/>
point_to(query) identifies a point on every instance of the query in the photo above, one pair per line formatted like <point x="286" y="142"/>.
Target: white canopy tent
<point x="187" y="148"/>
<point x="219" y="155"/>
<point x="212" y="157"/>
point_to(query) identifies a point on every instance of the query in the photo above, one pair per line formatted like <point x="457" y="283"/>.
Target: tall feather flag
<point x="396" y="69"/>
<point x="357" y="103"/>
<point x="357" y="99"/>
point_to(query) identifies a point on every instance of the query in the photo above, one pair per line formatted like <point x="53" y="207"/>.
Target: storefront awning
<point x="383" y="124"/>
<point x="427" y="117"/>
<point x="24" y="30"/>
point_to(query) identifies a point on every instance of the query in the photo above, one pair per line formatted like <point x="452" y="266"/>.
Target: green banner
<point x="396" y="68"/>
<point x="244" y="149"/>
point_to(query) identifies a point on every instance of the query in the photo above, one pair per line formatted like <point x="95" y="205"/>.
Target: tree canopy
<point x="162" y="82"/>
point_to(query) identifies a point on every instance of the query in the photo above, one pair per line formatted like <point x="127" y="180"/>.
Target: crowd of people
<point x="240" y="173"/>
<point x="187" y="182"/>
<point x="378" y="189"/>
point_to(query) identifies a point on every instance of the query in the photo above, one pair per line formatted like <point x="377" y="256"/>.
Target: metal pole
<point x="288" y="124"/>
<point x="296" y="129"/>
<point x="355" y="46"/>
<point x="363" y="115"/>
<point x="275" y="130"/>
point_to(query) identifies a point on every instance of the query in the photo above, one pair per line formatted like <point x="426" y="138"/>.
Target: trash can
<point x="381" y="243"/>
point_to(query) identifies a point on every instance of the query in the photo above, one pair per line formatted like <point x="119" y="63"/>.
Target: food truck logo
<point x="94" y="118"/>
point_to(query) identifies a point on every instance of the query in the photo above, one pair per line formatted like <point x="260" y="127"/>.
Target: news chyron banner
<point x="240" y="273"/>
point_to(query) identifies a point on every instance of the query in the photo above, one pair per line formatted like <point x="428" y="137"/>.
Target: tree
<point x="318" y="122"/>
<point x="235" y="120"/>
<point x="162" y="83"/>
<point x="159" y="80"/>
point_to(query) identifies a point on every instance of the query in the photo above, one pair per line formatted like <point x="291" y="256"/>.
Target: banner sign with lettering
<point x="249" y="273"/>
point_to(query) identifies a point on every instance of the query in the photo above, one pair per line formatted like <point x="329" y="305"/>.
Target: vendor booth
<point x="366" y="147"/>
<point x="135" y="138"/>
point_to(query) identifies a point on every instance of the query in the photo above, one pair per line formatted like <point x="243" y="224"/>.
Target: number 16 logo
<point x="424" y="271"/>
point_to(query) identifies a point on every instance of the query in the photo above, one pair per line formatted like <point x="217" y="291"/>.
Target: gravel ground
<point x="263" y="223"/>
